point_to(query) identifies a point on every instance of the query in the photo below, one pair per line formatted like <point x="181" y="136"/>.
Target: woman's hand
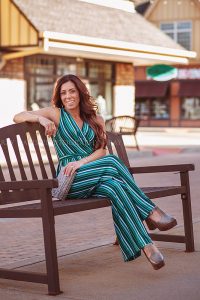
<point x="50" y="127"/>
<point x="72" y="167"/>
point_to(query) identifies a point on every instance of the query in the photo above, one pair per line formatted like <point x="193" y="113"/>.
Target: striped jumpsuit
<point x="105" y="177"/>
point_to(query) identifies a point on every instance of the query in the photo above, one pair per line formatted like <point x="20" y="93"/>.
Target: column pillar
<point x="124" y="90"/>
<point x="175" y="113"/>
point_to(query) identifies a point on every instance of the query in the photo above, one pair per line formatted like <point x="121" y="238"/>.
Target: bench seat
<point x="33" y="210"/>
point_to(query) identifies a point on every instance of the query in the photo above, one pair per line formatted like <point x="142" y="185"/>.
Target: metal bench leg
<point x="50" y="243"/>
<point x="187" y="213"/>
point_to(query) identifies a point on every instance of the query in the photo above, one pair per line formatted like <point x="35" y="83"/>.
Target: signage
<point x="193" y="73"/>
<point x="161" y="72"/>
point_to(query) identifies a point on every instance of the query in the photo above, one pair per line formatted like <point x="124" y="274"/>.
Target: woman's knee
<point x="113" y="160"/>
<point x="110" y="187"/>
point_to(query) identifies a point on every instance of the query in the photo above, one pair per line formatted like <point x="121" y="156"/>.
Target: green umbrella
<point x="161" y="72"/>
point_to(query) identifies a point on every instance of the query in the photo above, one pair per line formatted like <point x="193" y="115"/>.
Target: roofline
<point x="22" y="53"/>
<point x="115" y="45"/>
<point x="59" y="48"/>
<point x="117" y="4"/>
<point x="25" y="16"/>
<point x="108" y="53"/>
<point x="83" y="46"/>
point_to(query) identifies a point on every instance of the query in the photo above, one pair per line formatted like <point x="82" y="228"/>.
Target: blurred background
<point x="138" y="58"/>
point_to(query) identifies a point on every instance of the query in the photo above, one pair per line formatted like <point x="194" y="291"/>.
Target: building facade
<point x="45" y="39"/>
<point x="175" y="102"/>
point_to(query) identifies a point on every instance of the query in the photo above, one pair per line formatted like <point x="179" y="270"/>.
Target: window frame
<point x="31" y="74"/>
<point x="181" y="107"/>
<point x="149" y="102"/>
<point x="175" y="31"/>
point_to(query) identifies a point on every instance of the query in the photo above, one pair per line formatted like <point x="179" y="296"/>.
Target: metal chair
<point x="125" y="125"/>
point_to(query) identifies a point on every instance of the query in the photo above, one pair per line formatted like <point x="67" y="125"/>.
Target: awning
<point x="150" y="89"/>
<point x="189" y="88"/>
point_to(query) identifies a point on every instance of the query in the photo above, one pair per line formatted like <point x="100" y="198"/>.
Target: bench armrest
<point x="28" y="184"/>
<point x="163" y="168"/>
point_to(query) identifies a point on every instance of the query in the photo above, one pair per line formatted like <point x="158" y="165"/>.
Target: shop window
<point x="181" y="32"/>
<point x="39" y="65"/>
<point x="42" y="71"/>
<point x="142" y="108"/>
<point x="190" y="108"/>
<point x="159" y="109"/>
<point x="153" y="108"/>
<point x="40" y="91"/>
<point x="100" y="77"/>
<point x="99" y="70"/>
<point x="65" y="66"/>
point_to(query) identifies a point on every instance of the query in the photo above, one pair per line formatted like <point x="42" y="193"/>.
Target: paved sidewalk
<point x="173" y="137"/>
<point x="90" y="266"/>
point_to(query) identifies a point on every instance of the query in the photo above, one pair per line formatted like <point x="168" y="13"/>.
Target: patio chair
<point x="125" y="125"/>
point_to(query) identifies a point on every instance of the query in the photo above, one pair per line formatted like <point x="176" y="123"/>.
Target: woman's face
<point x="69" y="96"/>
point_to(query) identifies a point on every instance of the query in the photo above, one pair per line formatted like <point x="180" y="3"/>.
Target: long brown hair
<point x="88" y="107"/>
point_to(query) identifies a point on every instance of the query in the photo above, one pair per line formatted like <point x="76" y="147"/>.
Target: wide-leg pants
<point x="109" y="177"/>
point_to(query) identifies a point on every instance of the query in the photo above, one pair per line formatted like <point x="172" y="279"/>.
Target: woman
<point x="80" y="141"/>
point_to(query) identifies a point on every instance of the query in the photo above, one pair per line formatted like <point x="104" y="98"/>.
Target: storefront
<point x="41" y="71"/>
<point x="152" y="102"/>
<point x="37" y="46"/>
<point x="189" y="94"/>
<point x="170" y="103"/>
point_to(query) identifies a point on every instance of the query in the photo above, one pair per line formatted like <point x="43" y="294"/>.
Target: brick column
<point x="13" y="68"/>
<point x="174" y="103"/>
<point x="124" y="90"/>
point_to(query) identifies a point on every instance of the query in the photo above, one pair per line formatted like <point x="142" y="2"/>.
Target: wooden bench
<point x="16" y="194"/>
<point x="126" y="125"/>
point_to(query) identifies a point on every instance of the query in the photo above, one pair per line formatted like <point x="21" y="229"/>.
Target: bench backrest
<point x="123" y="124"/>
<point x="26" y="154"/>
<point x="115" y="145"/>
<point x="24" y="149"/>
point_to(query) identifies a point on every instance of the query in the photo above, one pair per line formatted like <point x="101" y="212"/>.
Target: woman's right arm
<point x="48" y="117"/>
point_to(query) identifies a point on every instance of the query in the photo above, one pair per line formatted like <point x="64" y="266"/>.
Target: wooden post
<point x="187" y="213"/>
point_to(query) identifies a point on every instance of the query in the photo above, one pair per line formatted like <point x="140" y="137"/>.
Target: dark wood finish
<point x="187" y="213"/>
<point x="23" y="276"/>
<point x="21" y="191"/>
<point x="125" y="125"/>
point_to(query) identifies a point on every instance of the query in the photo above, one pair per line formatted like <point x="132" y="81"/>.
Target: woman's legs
<point x="108" y="177"/>
<point x="92" y="174"/>
<point x="131" y="233"/>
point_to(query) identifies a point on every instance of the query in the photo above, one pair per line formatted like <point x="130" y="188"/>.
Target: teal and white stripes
<point x="105" y="177"/>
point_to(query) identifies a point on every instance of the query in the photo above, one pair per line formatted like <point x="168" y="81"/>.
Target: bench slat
<point x="76" y="205"/>
<point x="168" y="238"/>
<point x="4" y="146"/>
<point x="23" y="276"/>
<point x="18" y="156"/>
<point x="28" y="155"/>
